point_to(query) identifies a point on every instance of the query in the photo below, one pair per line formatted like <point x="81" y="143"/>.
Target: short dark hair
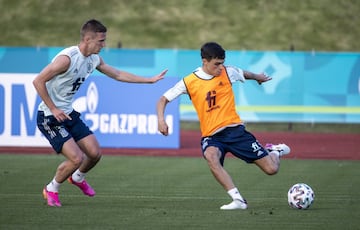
<point x="92" y="25"/>
<point x="212" y="50"/>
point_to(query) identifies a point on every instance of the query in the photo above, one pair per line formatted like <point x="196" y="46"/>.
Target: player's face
<point x="213" y="67"/>
<point x="97" y="42"/>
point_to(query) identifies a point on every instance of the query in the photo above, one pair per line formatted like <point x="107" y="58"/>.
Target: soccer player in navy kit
<point x="59" y="122"/>
<point x="210" y="90"/>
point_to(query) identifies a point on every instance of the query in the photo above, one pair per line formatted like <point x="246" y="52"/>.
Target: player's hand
<point x="262" y="77"/>
<point x="60" y="115"/>
<point x="159" y="77"/>
<point x="163" y="128"/>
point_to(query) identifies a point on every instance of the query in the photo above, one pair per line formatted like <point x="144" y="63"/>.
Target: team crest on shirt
<point x="89" y="67"/>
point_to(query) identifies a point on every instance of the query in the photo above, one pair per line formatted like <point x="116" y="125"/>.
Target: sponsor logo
<point x="115" y="123"/>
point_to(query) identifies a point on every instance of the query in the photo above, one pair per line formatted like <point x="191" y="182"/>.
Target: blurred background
<point x="322" y="25"/>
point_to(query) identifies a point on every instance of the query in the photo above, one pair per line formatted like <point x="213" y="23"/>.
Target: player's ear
<point x="204" y="61"/>
<point x="88" y="37"/>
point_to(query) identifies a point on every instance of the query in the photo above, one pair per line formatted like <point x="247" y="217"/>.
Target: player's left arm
<point x="126" y="76"/>
<point x="260" y="78"/>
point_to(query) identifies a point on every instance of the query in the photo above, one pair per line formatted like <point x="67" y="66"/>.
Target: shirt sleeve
<point x="235" y="74"/>
<point x="178" y="89"/>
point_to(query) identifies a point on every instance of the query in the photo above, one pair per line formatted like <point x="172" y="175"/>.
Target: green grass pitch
<point x="177" y="193"/>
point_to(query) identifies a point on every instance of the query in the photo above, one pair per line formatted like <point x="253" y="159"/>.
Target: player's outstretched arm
<point x="260" y="78"/>
<point x="126" y="76"/>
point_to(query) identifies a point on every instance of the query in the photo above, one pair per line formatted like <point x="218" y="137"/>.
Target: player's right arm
<point x="58" y="66"/>
<point x="160" y="108"/>
<point x="168" y="96"/>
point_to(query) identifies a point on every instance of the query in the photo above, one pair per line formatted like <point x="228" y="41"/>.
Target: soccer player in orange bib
<point x="210" y="90"/>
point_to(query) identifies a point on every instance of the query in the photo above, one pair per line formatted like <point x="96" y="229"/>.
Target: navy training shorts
<point x="238" y="142"/>
<point x="58" y="133"/>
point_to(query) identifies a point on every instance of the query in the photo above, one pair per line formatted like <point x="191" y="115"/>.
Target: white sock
<point x="53" y="186"/>
<point x="235" y="194"/>
<point x="78" y="176"/>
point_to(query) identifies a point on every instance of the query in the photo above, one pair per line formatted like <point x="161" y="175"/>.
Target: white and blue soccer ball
<point x="300" y="196"/>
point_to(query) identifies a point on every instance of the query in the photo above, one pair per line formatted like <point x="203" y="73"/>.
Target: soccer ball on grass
<point x="300" y="196"/>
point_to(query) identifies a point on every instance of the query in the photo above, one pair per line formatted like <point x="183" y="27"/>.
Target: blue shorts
<point x="58" y="133"/>
<point x="237" y="141"/>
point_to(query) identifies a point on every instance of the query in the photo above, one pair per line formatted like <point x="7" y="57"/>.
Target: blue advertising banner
<point x="120" y="114"/>
<point x="306" y="86"/>
<point x="124" y="115"/>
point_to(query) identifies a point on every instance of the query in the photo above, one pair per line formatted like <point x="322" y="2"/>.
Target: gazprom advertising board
<point x="120" y="114"/>
<point x="306" y="87"/>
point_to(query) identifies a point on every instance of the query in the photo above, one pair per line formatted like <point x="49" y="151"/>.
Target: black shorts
<point x="58" y="133"/>
<point x="237" y="141"/>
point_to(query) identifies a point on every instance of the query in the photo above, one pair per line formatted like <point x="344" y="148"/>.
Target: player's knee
<point x="77" y="160"/>
<point x="93" y="154"/>
<point x="96" y="157"/>
<point x="271" y="170"/>
<point x="212" y="160"/>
